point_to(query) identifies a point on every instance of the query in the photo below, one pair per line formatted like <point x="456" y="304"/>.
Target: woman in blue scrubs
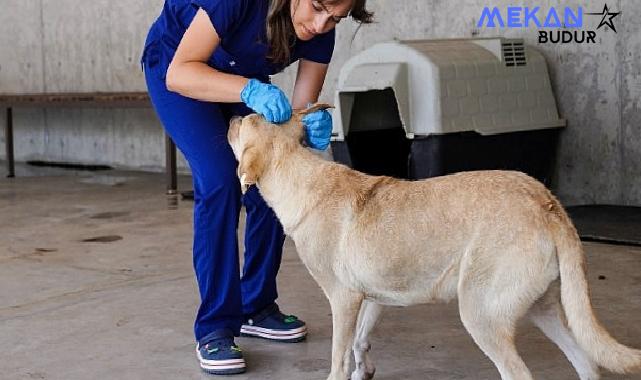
<point x="204" y="62"/>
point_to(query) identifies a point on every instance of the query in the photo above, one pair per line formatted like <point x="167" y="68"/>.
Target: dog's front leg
<point x="345" y="307"/>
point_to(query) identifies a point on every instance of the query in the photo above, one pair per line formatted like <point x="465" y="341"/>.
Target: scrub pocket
<point x="153" y="60"/>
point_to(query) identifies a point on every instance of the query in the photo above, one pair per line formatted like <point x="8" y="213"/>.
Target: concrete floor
<point x="123" y="308"/>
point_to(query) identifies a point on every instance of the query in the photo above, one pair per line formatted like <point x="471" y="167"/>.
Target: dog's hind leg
<point x="548" y="316"/>
<point x="494" y="334"/>
<point x="369" y="315"/>
<point x="496" y="339"/>
<point x="493" y="295"/>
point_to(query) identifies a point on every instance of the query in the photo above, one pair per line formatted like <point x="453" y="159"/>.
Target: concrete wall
<point x="69" y="45"/>
<point x="77" y="46"/>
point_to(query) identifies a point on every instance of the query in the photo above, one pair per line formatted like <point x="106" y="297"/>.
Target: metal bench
<point x="89" y="100"/>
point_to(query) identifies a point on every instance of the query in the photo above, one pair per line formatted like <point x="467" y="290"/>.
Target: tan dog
<point x="497" y="240"/>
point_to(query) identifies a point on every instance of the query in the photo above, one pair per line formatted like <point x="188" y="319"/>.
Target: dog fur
<point x="498" y="241"/>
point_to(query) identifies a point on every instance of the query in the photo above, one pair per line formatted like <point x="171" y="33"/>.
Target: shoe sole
<point x="288" y="336"/>
<point x="220" y="372"/>
<point x="225" y="372"/>
<point x="221" y="367"/>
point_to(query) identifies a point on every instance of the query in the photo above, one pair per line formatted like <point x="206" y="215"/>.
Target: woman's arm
<point x="189" y="74"/>
<point x="309" y="83"/>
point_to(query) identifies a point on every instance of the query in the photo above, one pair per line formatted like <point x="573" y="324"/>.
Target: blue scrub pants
<point x="199" y="130"/>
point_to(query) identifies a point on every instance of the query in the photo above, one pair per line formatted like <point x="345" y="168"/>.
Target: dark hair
<point x="280" y="30"/>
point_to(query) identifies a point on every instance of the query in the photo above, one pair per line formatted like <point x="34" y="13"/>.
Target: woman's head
<point x="303" y="19"/>
<point x="312" y="17"/>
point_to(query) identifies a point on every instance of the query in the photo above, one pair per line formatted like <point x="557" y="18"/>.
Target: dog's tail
<point x="575" y="297"/>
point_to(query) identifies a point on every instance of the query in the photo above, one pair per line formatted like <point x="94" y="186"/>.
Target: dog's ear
<point x="295" y="125"/>
<point x="312" y="109"/>
<point x="250" y="167"/>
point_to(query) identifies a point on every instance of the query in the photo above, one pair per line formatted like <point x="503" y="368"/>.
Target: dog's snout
<point x="234" y="126"/>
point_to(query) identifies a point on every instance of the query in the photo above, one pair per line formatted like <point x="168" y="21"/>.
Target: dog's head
<point x="254" y="140"/>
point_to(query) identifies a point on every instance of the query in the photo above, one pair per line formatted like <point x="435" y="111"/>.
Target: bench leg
<point x="170" y="165"/>
<point x="8" y="137"/>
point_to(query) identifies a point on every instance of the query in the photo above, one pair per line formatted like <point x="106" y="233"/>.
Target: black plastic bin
<point x="387" y="151"/>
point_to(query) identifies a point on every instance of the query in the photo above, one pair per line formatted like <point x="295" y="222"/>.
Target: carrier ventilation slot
<point x="514" y="53"/>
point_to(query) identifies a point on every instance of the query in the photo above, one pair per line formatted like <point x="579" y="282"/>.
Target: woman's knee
<point x="217" y="200"/>
<point x="215" y="185"/>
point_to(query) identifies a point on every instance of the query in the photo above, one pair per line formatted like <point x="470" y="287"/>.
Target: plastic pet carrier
<point x="419" y="109"/>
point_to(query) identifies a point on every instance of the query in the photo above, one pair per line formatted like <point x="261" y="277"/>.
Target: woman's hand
<point x="267" y="100"/>
<point x="318" y="128"/>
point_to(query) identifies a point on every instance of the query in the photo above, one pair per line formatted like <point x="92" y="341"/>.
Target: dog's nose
<point x="234" y="126"/>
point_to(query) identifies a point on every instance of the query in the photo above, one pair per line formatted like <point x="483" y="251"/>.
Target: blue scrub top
<point x="241" y="26"/>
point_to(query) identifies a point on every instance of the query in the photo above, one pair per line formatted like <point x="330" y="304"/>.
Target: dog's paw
<point x="361" y="374"/>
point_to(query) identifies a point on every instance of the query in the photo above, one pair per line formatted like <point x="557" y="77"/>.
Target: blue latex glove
<point x="318" y="127"/>
<point x="267" y="100"/>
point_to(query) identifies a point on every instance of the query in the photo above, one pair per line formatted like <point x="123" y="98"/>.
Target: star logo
<point x="606" y="18"/>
